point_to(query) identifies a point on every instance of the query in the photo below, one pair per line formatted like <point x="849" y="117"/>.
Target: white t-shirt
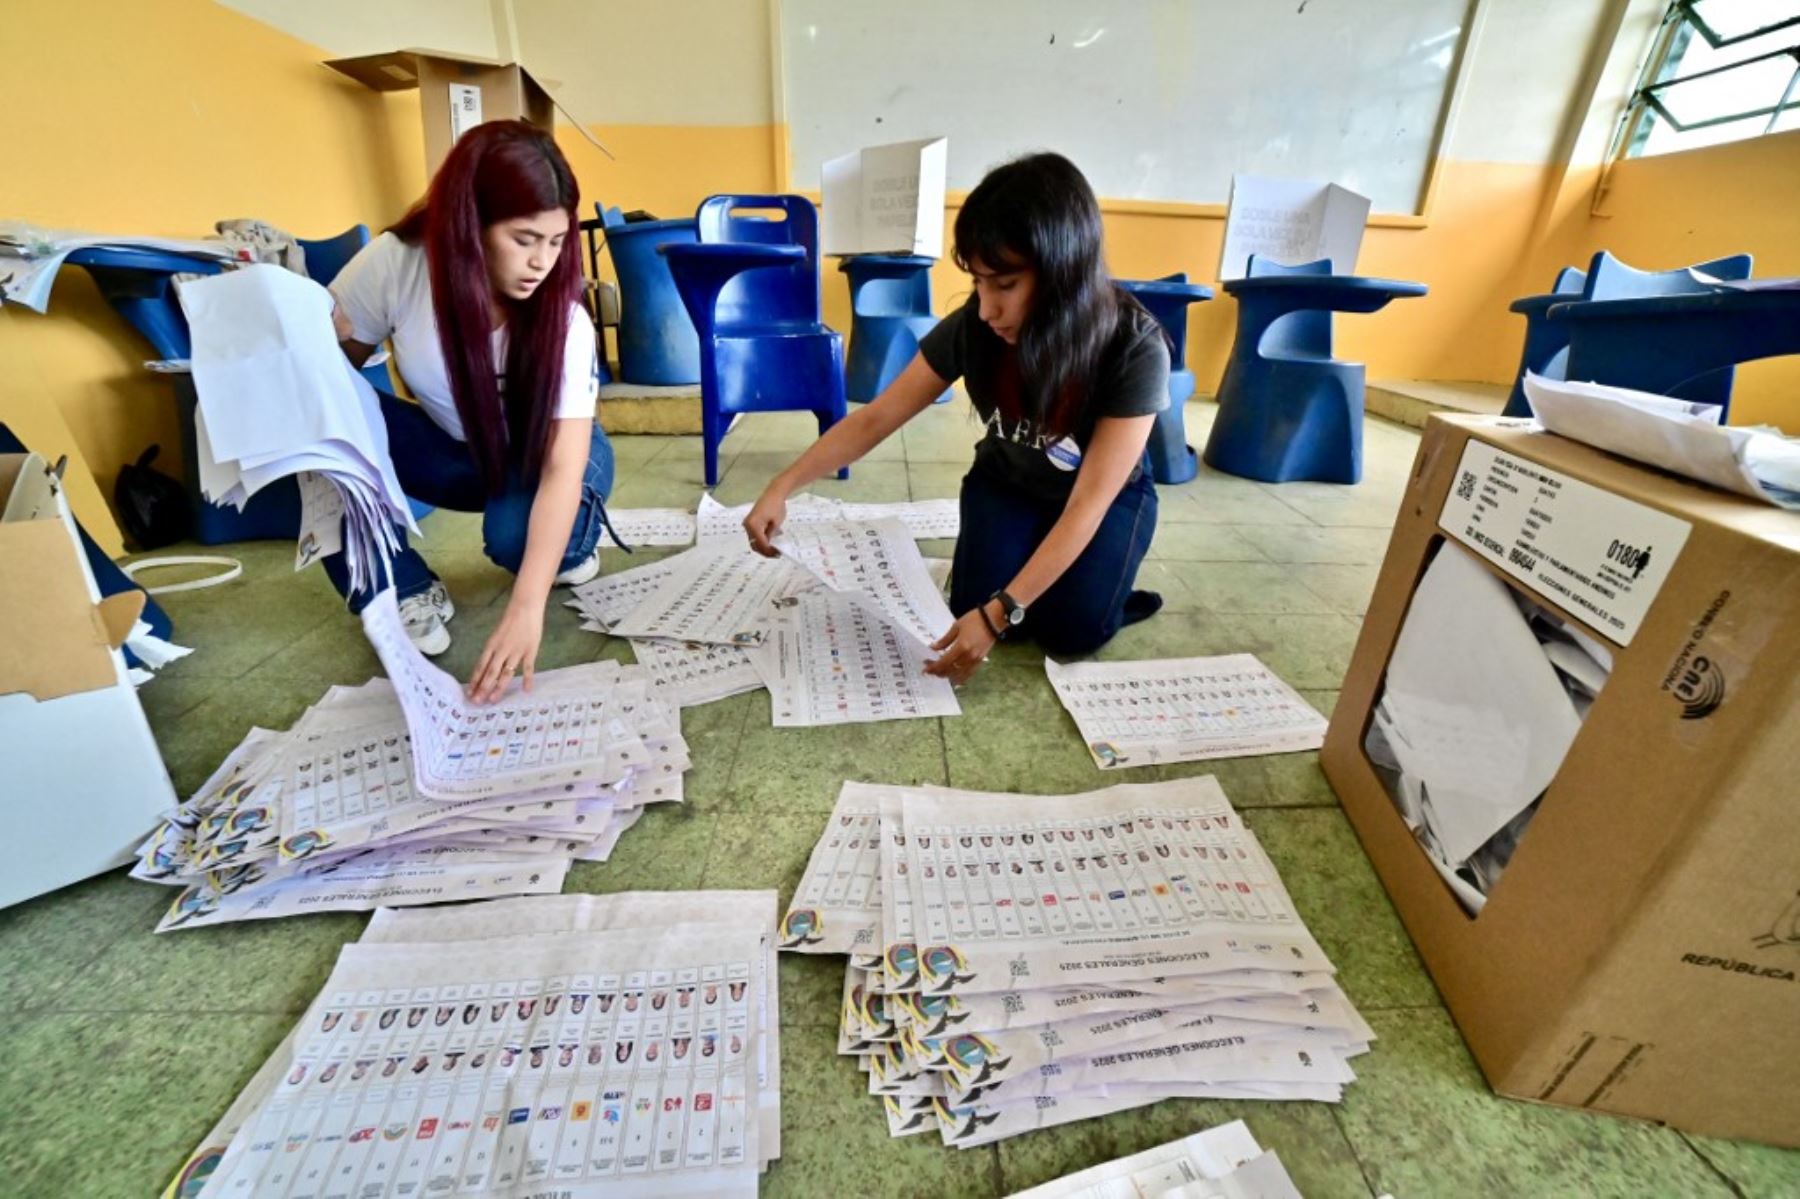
<point x="385" y="291"/>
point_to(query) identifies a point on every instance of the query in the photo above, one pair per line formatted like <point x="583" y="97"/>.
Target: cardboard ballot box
<point x="1640" y="954"/>
<point x="1292" y="221"/>
<point x="81" y="779"/>
<point x="885" y="200"/>
<point x="456" y="92"/>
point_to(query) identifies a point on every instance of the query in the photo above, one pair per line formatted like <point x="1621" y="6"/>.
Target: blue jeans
<point x="1003" y="526"/>
<point x="435" y="467"/>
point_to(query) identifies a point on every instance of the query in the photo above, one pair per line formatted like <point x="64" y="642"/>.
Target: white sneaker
<point x="424" y="622"/>
<point x="439" y="595"/>
<point x="583" y="571"/>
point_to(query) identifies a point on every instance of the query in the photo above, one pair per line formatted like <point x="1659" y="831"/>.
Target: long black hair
<point x="1039" y="212"/>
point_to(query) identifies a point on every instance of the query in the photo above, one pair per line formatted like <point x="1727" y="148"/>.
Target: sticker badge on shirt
<point x="1064" y="454"/>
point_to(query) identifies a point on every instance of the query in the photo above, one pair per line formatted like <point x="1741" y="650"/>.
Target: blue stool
<point x="1172" y="459"/>
<point x="1547" y="341"/>
<point x="890" y="307"/>
<point x="1679" y="345"/>
<point x="1288" y="410"/>
<point x="1546" y="350"/>
<point x="658" y="346"/>
<point x="752" y="289"/>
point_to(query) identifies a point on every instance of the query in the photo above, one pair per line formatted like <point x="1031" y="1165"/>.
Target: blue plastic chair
<point x="752" y="289"/>
<point x="1288" y="410"/>
<point x="1546" y="350"/>
<point x="890" y="310"/>
<point x="658" y="346"/>
<point x="324" y="259"/>
<point x="1607" y="279"/>
<point x="1172" y="459"/>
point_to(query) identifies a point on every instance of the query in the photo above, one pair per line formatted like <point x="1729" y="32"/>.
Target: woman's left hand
<point x="512" y="647"/>
<point x="964" y="648"/>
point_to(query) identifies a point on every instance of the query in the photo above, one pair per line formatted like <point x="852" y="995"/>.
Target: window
<point x="1720" y="71"/>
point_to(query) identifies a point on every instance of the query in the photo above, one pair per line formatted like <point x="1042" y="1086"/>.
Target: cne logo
<point x="1700" y="688"/>
<point x="1784" y="929"/>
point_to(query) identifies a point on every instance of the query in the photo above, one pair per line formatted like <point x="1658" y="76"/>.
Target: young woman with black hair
<point x="1067" y="374"/>
<point x="479" y="287"/>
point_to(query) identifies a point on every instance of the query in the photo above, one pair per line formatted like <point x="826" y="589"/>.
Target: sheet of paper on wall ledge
<point x="1018" y="962"/>
<point x="277" y="398"/>
<point x="1183" y="710"/>
<point x="1217" y="1163"/>
<point x="1485" y="693"/>
<point x="401" y="792"/>
<point x="1676" y="435"/>
<point x="622" y="1045"/>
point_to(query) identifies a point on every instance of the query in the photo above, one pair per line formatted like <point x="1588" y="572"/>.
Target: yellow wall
<point x="161" y="119"/>
<point x="1678" y="209"/>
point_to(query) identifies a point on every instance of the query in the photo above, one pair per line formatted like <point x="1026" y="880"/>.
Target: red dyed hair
<point x="497" y="171"/>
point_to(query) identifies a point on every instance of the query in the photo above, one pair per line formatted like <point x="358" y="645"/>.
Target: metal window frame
<point x="1682" y="21"/>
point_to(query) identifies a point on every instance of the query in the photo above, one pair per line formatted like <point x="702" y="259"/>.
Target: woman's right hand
<point x="764" y="521"/>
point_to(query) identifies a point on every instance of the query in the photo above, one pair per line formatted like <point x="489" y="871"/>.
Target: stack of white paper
<point x="1018" y="962"/>
<point x="1485" y="693"/>
<point x="838" y="628"/>
<point x="1184" y="710"/>
<point x="1676" y="435"/>
<point x="277" y="397"/>
<point x="402" y="792"/>
<point x="623" y="1045"/>
<point x="1219" y="1163"/>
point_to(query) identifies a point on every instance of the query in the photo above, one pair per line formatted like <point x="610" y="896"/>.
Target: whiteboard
<point x="1153" y="99"/>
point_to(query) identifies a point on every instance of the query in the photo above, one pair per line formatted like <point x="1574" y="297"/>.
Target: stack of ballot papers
<point x="715" y="524"/>
<point x="1019" y="962"/>
<point x="1676" y="435"/>
<point x="1184" y="710"/>
<point x="838" y="628"/>
<point x="277" y="398"/>
<point x="1484" y="694"/>
<point x="569" y="1045"/>
<point x="402" y="792"/>
<point x="1219" y="1163"/>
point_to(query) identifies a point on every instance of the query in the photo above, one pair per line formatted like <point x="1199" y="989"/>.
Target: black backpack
<point x="153" y="508"/>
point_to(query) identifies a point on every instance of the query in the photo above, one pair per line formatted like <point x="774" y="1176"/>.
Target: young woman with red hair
<point x="479" y="288"/>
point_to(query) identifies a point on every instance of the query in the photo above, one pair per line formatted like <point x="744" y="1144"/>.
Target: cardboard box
<point x="885" y="200"/>
<point x="1641" y="952"/>
<point x="82" y="778"/>
<point x="1293" y="222"/>
<point x="456" y="92"/>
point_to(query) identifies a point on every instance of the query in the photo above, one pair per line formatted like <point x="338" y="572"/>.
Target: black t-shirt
<point x="1132" y="380"/>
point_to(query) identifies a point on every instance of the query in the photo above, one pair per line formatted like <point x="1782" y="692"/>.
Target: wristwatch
<point x="1012" y="608"/>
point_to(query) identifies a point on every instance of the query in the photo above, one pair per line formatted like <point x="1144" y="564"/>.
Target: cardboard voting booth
<point x="1292" y="221"/>
<point x="1640" y="953"/>
<point x="83" y="779"/>
<point x="458" y="92"/>
<point x="885" y="200"/>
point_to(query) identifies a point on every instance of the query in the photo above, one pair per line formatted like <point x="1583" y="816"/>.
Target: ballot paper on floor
<point x="402" y="792"/>
<point x="831" y="657"/>
<point x="877" y="564"/>
<point x="1485" y="693"/>
<point x="714" y="595"/>
<point x="651" y="526"/>
<point x="924" y="519"/>
<point x="1219" y="1163"/>
<point x="1676" y="435"/>
<point x="1183" y="710"/>
<point x="620" y="1045"/>
<point x="1018" y="962"/>
<point x="278" y="398"/>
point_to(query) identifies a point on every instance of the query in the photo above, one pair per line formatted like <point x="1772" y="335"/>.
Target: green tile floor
<point x="118" y="1048"/>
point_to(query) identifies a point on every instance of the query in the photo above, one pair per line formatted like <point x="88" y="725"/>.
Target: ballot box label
<point x="1600" y="557"/>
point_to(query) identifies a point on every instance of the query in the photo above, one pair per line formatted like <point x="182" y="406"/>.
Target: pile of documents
<point x="30" y="256"/>
<point x="575" y="1045"/>
<point x="1184" y="710"/>
<point x="1677" y="435"/>
<point x="1219" y="1163"/>
<point x="277" y="398"/>
<point x="1019" y="962"/>
<point x="838" y="628"/>
<point x="715" y="524"/>
<point x="402" y="792"/>
<point x="1485" y="693"/>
